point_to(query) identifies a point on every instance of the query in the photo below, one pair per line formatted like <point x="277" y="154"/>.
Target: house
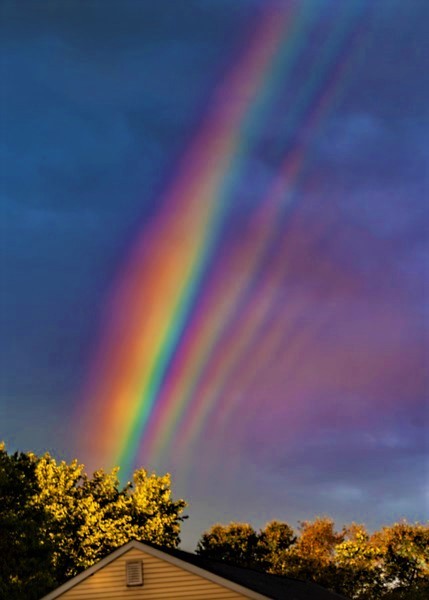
<point x="142" y="571"/>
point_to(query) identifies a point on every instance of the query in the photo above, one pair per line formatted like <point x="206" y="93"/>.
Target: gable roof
<point x="254" y="584"/>
<point x="274" y="587"/>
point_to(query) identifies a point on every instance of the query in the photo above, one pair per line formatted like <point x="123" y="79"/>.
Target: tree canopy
<point x="235" y="543"/>
<point x="390" y="564"/>
<point x="56" y="520"/>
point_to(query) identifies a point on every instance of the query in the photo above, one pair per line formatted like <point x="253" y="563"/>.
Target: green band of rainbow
<point x="181" y="326"/>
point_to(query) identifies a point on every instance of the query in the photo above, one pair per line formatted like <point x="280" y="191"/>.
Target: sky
<point x="214" y="249"/>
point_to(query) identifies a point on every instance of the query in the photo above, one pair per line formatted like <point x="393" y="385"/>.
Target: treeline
<point x="389" y="564"/>
<point x="56" y="521"/>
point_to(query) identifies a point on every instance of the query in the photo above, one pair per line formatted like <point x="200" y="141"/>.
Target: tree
<point x="24" y="554"/>
<point x="311" y="557"/>
<point x="239" y="544"/>
<point x="89" y="517"/>
<point x="318" y="540"/>
<point x="404" y="550"/>
<point x="235" y="544"/>
<point x="274" y="549"/>
<point x="358" y="567"/>
<point x="274" y="543"/>
<point x="390" y="564"/>
<point x="78" y="519"/>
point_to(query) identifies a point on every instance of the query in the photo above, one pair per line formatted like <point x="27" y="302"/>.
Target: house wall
<point x="162" y="581"/>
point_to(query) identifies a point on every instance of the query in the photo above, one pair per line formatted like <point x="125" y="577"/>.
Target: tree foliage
<point x="404" y="548"/>
<point x="274" y="541"/>
<point x="390" y="564"/>
<point x="235" y="544"/>
<point x="24" y="554"/>
<point x="55" y="520"/>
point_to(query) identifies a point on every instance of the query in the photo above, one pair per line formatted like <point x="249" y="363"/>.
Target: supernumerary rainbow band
<point x="191" y="313"/>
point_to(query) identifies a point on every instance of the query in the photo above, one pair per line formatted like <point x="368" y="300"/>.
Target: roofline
<point x="178" y="562"/>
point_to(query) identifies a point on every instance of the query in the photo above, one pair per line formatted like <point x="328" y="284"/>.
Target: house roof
<point x="256" y="585"/>
<point x="274" y="587"/>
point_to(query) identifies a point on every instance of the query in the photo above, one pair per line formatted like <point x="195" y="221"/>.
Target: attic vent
<point x="134" y="572"/>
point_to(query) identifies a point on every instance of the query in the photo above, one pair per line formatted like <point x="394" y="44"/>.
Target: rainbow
<point x="188" y="306"/>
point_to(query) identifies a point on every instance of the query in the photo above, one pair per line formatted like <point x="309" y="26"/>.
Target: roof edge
<point x="160" y="554"/>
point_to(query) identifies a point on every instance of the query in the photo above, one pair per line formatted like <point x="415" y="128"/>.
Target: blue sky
<point x="99" y="100"/>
